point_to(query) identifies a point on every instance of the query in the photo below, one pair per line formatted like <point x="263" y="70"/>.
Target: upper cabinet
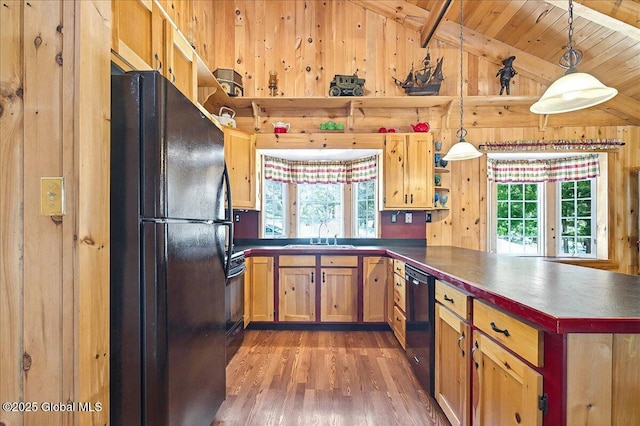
<point x="240" y="156"/>
<point x="138" y="34"/>
<point x="144" y="37"/>
<point x="408" y="171"/>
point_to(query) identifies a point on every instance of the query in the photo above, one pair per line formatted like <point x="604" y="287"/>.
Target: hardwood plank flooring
<point x="324" y="378"/>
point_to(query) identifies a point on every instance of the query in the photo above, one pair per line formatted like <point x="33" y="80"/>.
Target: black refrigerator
<point x="169" y="256"/>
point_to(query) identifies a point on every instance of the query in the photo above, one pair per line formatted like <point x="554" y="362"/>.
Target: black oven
<point x="420" y="325"/>
<point x="234" y="305"/>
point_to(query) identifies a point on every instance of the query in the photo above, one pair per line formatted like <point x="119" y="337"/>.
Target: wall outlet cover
<point x="428" y="217"/>
<point x="394" y="217"/>
<point x="408" y="217"/>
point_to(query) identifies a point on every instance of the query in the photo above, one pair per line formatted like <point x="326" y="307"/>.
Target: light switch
<point x="394" y="217"/>
<point x="52" y="196"/>
<point x="408" y="217"/>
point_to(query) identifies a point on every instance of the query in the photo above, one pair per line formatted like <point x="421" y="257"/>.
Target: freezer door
<point x="182" y="155"/>
<point x="184" y="343"/>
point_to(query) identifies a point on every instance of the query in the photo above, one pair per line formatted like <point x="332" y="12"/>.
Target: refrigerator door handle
<point x="228" y="220"/>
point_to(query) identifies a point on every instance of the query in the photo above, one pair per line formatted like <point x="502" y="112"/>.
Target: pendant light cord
<point x="462" y="132"/>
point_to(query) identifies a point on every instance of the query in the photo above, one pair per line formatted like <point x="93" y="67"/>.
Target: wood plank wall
<point x="54" y="274"/>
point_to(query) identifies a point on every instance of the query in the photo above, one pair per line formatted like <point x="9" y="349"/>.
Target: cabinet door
<point x="137" y="34"/>
<point x="339" y="295"/>
<point x="394" y="171"/>
<point x="297" y="294"/>
<point x="260" y="271"/>
<point x="374" y="287"/>
<point x="505" y="389"/>
<point x="240" y="155"/>
<point x="452" y="368"/>
<point x="182" y="67"/>
<point x="419" y="181"/>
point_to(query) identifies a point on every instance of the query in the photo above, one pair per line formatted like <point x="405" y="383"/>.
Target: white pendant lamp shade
<point x="571" y="92"/>
<point x="462" y="150"/>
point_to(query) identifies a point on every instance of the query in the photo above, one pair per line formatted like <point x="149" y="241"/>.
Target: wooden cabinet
<point x="505" y="389"/>
<point x="297" y="288"/>
<point x="408" y="171"/>
<point x="137" y="34"/>
<point x="339" y="295"/>
<point x="240" y="155"/>
<point x="374" y="288"/>
<point x="338" y="288"/>
<point x="297" y="294"/>
<point x="182" y="63"/>
<point x="399" y="296"/>
<point x="452" y="352"/>
<point x="261" y="280"/>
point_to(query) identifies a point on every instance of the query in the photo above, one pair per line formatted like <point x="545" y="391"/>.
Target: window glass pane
<point x="516" y="191"/>
<point x="567" y="190"/>
<point x="274" y="209"/>
<point x="320" y="204"/>
<point x="584" y="208"/>
<point x="577" y="218"/>
<point x="366" y="213"/>
<point x="584" y="189"/>
<point x="514" y="234"/>
<point x="568" y="208"/>
<point x="531" y="210"/>
<point x="516" y="210"/>
<point x="531" y="192"/>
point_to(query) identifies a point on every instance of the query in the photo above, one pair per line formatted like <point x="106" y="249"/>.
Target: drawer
<point x="517" y="336"/>
<point x="297" y="260"/>
<point x="454" y="299"/>
<point x="398" y="267"/>
<point x="399" y="324"/>
<point x="350" y="261"/>
<point x="399" y="292"/>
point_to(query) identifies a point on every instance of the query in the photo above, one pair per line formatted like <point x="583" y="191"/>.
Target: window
<point x="365" y="210"/>
<point x="318" y="205"/>
<point x="576" y="216"/>
<point x="275" y="212"/>
<point x="518" y="218"/>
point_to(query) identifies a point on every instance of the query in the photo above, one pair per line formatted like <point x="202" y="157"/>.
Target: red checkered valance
<point x="546" y="170"/>
<point x="289" y="171"/>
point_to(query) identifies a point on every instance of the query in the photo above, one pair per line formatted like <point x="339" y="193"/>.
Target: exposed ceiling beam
<point x="599" y="16"/>
<point x="528" y="65"/>
<point x="400" y="11"/>
<point x="433" y="21"/>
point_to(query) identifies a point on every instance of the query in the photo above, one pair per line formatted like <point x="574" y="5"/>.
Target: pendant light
<point x="574" y="90"/>
<point x="461" y="150"/>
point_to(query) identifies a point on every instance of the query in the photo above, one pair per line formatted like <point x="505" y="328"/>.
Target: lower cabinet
<point x="453" y="371"/>
<point x="374" y="288"/>
<point x="505" y="389"/>
<point x="297" y="294"/>
<point x="399" y="293"/>
<point x="260" y="300"/>
<point x="339" y="295"/>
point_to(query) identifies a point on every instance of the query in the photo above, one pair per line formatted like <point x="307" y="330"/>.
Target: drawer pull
<point x="460" y="339"/>
<point x="497" y="330"/>
<point x="473" y="351"/>
<point x="312" y="278"/>
<point x="448" y="299"/>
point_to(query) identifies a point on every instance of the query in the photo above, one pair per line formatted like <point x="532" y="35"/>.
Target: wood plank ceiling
<point x="536" y="32"/>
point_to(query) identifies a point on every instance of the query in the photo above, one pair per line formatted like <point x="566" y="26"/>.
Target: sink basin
<point x="319" y="246"/>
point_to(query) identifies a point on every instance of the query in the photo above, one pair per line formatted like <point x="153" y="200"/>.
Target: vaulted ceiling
<point x="536" y="32"/>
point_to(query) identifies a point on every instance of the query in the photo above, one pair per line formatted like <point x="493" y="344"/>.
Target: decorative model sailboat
<point x="425" y="81"/>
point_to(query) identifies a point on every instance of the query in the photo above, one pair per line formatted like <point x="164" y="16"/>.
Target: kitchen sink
<point x="319" y="246"/>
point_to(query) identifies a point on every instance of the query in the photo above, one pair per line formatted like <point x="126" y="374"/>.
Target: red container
<point x="279" y="130"/>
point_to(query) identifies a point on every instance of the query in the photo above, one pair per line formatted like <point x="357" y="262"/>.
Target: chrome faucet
<point x="320" y="235"/>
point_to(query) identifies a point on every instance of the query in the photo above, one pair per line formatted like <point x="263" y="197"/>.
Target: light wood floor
<point x="324" y="378"/>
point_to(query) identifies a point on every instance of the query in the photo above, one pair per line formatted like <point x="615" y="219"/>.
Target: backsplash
<point x="400" y="229"/>
<point x="246" y="224"/>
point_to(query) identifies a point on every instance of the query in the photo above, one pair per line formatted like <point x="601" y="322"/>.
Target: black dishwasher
<point x="420" y="325"/>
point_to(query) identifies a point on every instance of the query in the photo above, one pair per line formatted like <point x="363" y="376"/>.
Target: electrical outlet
<point x="237" y="218"/>
<point x="428" y="217"/>
<point x="394" y="217"/>
<point x="408" y="217"/>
